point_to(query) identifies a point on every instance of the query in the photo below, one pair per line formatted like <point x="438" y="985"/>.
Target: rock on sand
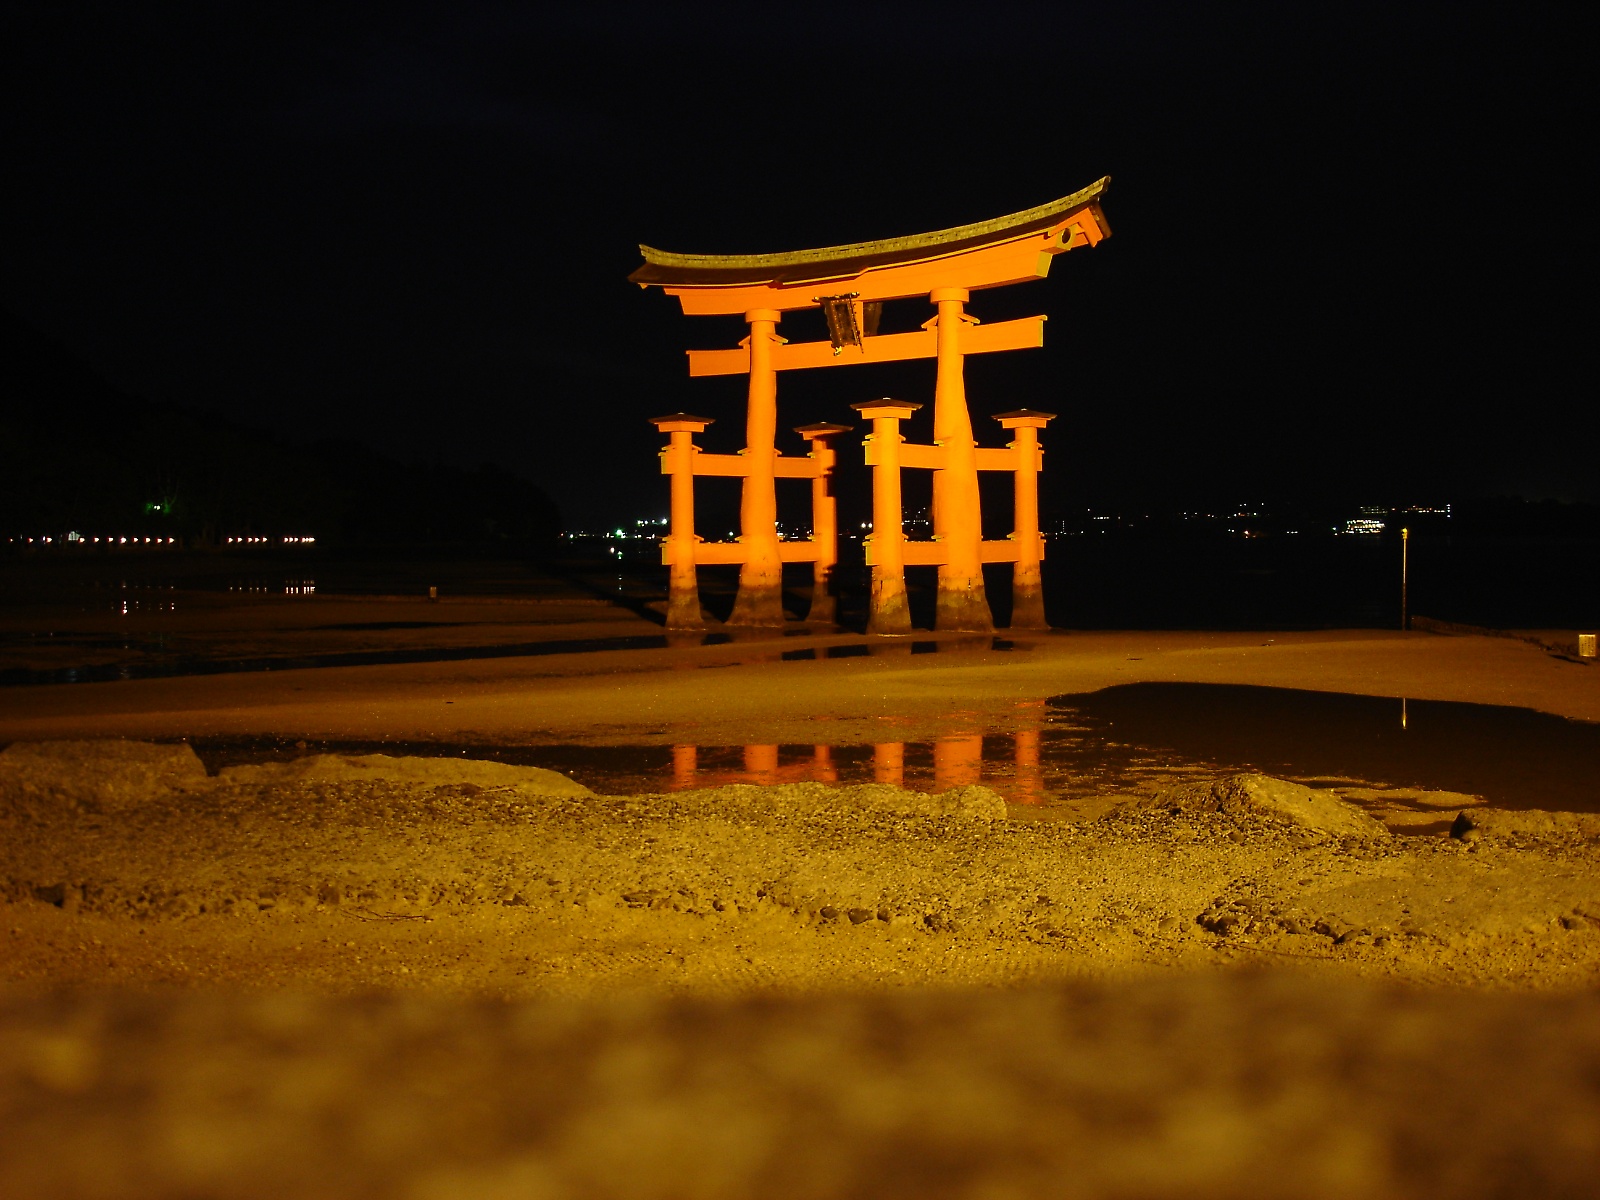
<point x="358" y="768"/>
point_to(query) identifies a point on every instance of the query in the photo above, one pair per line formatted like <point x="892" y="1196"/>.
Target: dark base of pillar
<point x="824" y="609"/>
<point x="890" y="613"/>
<point x="963" y="608"/>
<point x="1027" y="607"/>
<point x="683" y="610"/>
<point x="760" y="604"/>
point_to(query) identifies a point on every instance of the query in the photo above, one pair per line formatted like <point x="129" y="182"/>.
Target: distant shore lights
<point x="75" y="538"/>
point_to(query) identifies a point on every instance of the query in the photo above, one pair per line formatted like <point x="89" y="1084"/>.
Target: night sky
<point x="1348" y="260"/>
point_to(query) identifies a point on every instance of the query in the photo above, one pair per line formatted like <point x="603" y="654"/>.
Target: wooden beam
<point x="1003" y="552"/>
<point x="718" y="552"/>
<point x="798" y="551"/>
<point x="733" y="553"/>
<point x="1026" y="333"/>
<point x="738" y="465"/>
<point x="797" y="468"/>
<point x="932" y="554"/>
<point x="932" y="458"/>
<point x="924" y="458"/>
<point x="721" y="464"/>
<point x="1002" y="458"/>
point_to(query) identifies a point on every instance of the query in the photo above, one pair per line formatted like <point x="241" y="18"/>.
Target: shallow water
<point x="1511" y="757"/>
<point x="1133" y="738"/>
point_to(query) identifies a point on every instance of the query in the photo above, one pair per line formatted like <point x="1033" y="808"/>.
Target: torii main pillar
<point x="957" y="515"/>
<point x="760" y="598"/>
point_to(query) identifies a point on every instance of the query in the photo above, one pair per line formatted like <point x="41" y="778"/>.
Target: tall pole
<point x="1405" y="581"/>
<point x="760" y="599"/>
<point x="958" y="524"/>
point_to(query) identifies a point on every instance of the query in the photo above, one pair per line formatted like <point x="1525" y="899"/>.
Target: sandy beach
<point x="494" y="981"/>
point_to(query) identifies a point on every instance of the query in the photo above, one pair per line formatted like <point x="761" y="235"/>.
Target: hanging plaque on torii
<point x="849" y="284"/>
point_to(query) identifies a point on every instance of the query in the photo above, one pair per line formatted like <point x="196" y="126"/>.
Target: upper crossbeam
<point x="1026" y="333"/>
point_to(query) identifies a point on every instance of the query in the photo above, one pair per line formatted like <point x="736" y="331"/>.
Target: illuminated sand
<point x="506" y="990"/>
<point x="1218" y="1086"/>
<point x="350" y="873"/>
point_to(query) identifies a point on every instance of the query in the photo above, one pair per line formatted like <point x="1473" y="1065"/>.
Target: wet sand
<point x="338" y="977"/>
<point x="728" y="692"/>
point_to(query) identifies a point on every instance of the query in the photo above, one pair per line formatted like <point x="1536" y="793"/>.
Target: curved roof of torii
<point x="663" y="268"/>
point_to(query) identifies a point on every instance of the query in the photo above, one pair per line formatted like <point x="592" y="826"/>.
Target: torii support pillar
<point x="888" y="612"/>
<point x="760" y="598"/>
<point x="957" y="519"/>
<point x="1027" y="584"/>
<point x="824" y="521"/>
<point x="677" y="462"/>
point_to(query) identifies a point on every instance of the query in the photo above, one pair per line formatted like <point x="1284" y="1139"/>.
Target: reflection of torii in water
<point x="958" y="759"/>
<point x="850" y="283"/>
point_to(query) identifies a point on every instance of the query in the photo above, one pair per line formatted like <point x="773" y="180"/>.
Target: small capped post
<point x="1027" y="581"/>
<point x="824" y="520"/>
<point x="677" y="548"/>
<point x="889" y="611"/>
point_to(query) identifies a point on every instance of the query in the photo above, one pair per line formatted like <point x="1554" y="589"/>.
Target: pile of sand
<point x="725" y="889"/>
<point x="436" y="979"/>
<point x="383" y="768"/>
<point x="1255" y="794"/>
<point x="104" y="775"/>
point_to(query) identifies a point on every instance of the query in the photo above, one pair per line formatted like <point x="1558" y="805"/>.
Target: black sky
<point x="1350" y="256"/>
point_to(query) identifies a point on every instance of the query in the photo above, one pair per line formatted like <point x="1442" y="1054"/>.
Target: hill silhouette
<point x="77" y="453"/>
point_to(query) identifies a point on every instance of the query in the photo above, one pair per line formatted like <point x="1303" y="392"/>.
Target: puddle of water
<point x="1388" y="754"/>
<point x="1009" y="762"/>
<point x="1511" y="757"/>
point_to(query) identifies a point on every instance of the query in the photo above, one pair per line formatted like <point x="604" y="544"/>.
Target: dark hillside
<point x="75" y="453"/>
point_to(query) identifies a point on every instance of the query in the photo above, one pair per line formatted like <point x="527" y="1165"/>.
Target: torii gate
<point x="850" y="283"/>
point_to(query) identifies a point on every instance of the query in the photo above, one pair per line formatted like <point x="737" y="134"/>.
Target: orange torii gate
<point x="850" y="283"/>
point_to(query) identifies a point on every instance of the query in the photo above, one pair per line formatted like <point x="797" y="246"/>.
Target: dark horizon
<point x="1341" y="246"/>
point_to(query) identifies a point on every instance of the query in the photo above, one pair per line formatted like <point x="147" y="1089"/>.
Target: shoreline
<point x="652" y="696"/>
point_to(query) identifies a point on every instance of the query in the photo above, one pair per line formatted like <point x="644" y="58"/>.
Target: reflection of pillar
<point x="822" y="768"/>
<point x="1027" y="585"/>
<point x="761" y="763"/>
<point x="760" y="599"/>
<point x="1030" y="782"/>
<point x="824" y="521"/>
<point x="889" y="763"/>
<point x="684" y="766"/>
<point x="957" y="761"/>
<point x="677" y="548"/>
<point x="888" y="612"/>
<point x="957" y="516"/>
